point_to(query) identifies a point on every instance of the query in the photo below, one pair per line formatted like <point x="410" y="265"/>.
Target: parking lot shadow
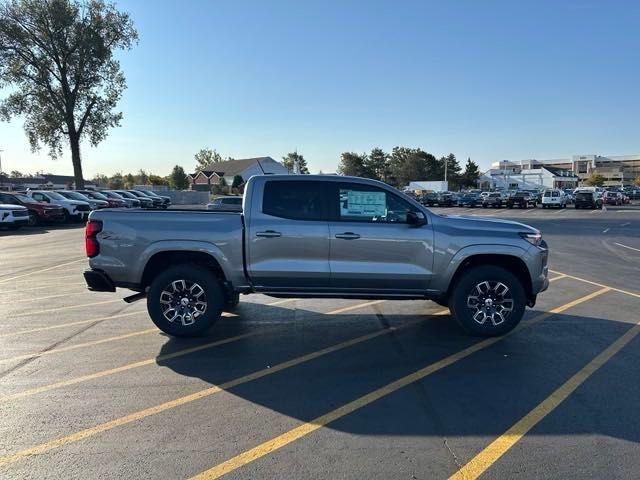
<point x="39" y="229"/>
<point x="482" y="394"/>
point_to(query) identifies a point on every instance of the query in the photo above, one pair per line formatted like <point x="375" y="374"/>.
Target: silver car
<point x="226" y="204"/>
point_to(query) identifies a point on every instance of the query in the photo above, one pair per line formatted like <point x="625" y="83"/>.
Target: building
<point x="41" y="182"/>
<point x="514" y="178"/>
<point x="246" y="168"/>
<point x="617" y="170"/>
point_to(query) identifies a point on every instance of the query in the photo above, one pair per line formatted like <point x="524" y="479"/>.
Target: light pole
<point x="1" y="174"/>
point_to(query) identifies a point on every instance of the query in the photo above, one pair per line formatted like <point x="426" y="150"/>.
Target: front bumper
<point x="98" y="281"/>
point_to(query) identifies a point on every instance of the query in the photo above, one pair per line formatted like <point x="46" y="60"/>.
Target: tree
<point x="377" y="164"/>
<point x="206" y="157"/>
<point x="178" y="179"/>
<point x="58" y="57"/>
<point x="413" y="164"/>
<point x="116" y="181"/>
<point x="142" y="178"/>
<point x="471" y="174"/>
<point x="353" y="164"/>
<point x="636" y="181"/>
<point x="453" y="171"/>
<point x="295" y="163"/>
<point x="595" y="180"/>
<point x="238" y="181"/>
<point x="158" y="180"/>
<point x="100" y="180"/>
<point x="129" y="181"/>
<point x="15" y="174"/>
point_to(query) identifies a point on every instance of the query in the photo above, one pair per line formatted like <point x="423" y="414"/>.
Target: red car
<point x="612" y="198"/>
<point x="113" y="202"/>
<point x="39" y="212"/>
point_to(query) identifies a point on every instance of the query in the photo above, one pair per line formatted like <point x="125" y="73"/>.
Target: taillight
<point x="91" y="245"/>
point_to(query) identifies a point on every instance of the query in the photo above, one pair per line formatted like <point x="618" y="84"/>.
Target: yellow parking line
<point x="626" y="292"/>
<point x="124" y="368"/>
<point x="354" y="307"/>
<point x="141" y="414"/>
<point x="4" y="280"/>
<point x="70" y="324"/>
<point x="78" y="345"/>
<point x="68" y="307"/>
<point x="42" y="287"/>
<point x="292" y="435"/>
<point x="487" y="457"/>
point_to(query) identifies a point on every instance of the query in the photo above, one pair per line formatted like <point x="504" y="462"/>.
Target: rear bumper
<point x="98" y="281"/>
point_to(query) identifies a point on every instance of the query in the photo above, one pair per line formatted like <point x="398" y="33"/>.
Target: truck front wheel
<point x="488" y="301"/>
<point x="185" y="300"/>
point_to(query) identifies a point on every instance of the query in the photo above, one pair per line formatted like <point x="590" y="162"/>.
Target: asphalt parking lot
<point x="318" y="389"/>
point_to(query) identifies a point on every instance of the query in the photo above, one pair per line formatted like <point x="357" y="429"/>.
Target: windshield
<point x="24" y="198"/>
<point x="97" y="195"/>
<point x="75" y="196"/>
<point x="54" y="195"/>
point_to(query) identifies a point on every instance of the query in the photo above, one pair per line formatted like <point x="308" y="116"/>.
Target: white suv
<point x="554" y="198"/>
<point x="13" y="216"/>
<point x="73" y="209"/>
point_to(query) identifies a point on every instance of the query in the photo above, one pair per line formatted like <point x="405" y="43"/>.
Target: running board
<point x="135" y="297"/>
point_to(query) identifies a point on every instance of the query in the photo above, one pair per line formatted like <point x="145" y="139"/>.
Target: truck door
<point x="373" y="248"/>
<point x="288" y="236"/>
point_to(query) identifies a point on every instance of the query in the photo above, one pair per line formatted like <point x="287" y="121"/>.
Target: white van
<point x="554" y="198"/>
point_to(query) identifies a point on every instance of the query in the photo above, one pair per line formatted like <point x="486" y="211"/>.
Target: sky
<point x="487" y="79"/>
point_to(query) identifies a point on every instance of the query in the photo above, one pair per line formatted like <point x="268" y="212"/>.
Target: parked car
<point x="568" y="192"/>
<point x="430" y="199"/>
<point x="39" y="212"/>
<point x="130" y="200"/>
<point x="166" y="201"/>
<point x="227" y="204"/>
<point x="74" y="195"/>
<point x="612" y="198"/>
<point x="446" y="199"/>
<point x="13" y="216"/>
<point x="156" y="202"/>
<point x="298" y="237"/>
<point x="470" y="200"/>
<point x="494" y="199"/>
<point x="522" y="199"/>
<point x="587" y="199"/>
<point x="111" y="202"/>
<point x="554" y="198"/>
<point x="74" y="210"/>
<point x="142" y="201"/>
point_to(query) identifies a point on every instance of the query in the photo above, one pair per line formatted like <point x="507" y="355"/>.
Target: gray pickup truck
<point x="308" y="236"/>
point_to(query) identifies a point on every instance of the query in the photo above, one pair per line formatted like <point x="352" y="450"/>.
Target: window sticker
<point x="363" y="204"/>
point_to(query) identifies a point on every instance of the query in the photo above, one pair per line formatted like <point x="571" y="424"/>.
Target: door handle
<point x="348" y="236"/>
<point x="269" y="234"/>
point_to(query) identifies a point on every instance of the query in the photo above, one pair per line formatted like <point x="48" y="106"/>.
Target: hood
<point x="484" y="223"/>
<point x="11" y="206"/>
<point x="75" y="202"/>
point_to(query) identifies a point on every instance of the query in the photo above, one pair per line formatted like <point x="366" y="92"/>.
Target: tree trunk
<point x="74" y="140"/>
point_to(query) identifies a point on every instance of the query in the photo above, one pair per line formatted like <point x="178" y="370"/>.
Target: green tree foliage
<point x="142" y="178"/>
<point x="116" y="181"/>
<point x="413" y="164"/>
<point x="454" y="172"/>
<point x="471" y="174"/>
<point x="100" y="180"/>
<point x="158" y="180"/>
<point x="595" y="180"/>
<point x="238" y="181"/>
<point x="57" y="57"/>
<point x="295" y="162"/>
<point x="636" y="181"/>
<point x="15" y="174"/>
<point x="376" y="164"/>
<point x="129" y="180"/>
<point x="178" y="179"/>
<point x="353" y="164"/>
<point x="206" y="157"/>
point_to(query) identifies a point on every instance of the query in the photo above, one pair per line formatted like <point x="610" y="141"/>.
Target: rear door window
<point x="295" y="199"/>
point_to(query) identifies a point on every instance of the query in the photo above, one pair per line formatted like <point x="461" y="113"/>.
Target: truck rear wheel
<point x="488" y="301"/>
<point x="185" y="300"/>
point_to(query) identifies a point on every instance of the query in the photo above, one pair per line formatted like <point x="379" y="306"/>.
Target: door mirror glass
<point x="416" y="219"/>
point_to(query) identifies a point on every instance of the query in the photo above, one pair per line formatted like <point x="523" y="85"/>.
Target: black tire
<point x="191" y="274"/>
<point x="33" y="220"/>
<point x="484" y="205"/>
<point x="67" y="217"/>
<point x="231" y="302"/>
<point x="466" y="286"/>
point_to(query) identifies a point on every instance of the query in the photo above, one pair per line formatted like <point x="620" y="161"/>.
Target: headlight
<point x="532" y="238"/>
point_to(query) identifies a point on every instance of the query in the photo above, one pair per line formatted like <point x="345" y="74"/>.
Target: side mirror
<point x="416" y="219"/>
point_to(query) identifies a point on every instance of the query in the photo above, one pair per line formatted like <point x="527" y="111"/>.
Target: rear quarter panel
<point x="130" y="238"/>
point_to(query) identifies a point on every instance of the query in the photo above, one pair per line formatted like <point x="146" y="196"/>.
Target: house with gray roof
<point x="213" y="173"/>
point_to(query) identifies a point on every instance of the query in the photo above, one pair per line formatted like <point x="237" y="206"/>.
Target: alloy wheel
<point x="183" y="301"/>
<point x="490" y="301"/>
